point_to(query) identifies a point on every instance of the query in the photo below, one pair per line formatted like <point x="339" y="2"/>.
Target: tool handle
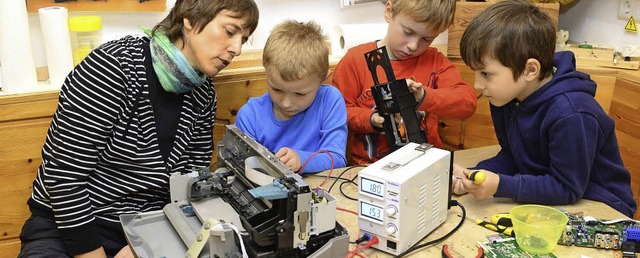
<point x="502" y="219"/>
<point x="497" y="228"/>
<point x="477" y="177"/>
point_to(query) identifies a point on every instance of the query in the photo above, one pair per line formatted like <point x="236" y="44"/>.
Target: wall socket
<point x="627" y="8"/>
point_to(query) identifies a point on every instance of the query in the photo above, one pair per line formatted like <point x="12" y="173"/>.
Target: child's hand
<point x="458" y="174"/>
<point x="289" y="157"/>
<point x="377" y="120"/>
<point x="416" y="88"/>
<point x="483" y="190"/>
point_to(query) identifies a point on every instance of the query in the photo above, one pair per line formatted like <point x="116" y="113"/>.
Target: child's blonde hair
<point x="436" y="13"/>
<point x="296" y="51"/>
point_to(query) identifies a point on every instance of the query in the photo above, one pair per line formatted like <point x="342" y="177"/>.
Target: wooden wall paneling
<point x="24" y="120"/>
<point x="625" y="110"/>
<point x="604" y="92"/>
<point x="231" y="97"/>
<point x="466" y="11"/>
<point x="26" y="106"/>
<point x="10" y="248"/>
<point x="476" y="131"/>
<point x="20" y="145"/>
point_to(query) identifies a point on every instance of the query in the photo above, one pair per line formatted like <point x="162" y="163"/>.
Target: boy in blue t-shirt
<point x="301" y="120"/>
<point x="558" y="144"/>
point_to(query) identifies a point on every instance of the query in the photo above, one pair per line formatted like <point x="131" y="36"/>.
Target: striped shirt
<point x="101" y="157"/>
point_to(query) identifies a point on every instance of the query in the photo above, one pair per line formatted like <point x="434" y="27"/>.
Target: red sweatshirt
<point x="446" y="95"/>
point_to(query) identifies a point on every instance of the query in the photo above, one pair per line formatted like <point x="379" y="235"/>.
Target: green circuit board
<point x="501" y="246"/>
<point x="590" y="232"/>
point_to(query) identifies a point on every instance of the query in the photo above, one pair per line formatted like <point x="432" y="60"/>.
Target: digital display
<point x="372" y="187"/>
<point x="371" y="211"/>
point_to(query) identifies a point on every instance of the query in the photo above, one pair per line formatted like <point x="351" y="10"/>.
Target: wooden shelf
<point x="102" y="5"/>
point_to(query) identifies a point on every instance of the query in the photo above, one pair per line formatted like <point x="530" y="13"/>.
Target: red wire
<point x="343" y="209"/>
<point x="309" y="158"/>
<point x="371" y="242"/>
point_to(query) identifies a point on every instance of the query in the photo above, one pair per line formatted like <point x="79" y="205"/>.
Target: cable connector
<point x="365" y="237"/>
<point x="374" y="240"/>
<point x="453" y="203"/>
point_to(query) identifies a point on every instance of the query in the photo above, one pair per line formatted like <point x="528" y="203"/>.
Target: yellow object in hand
<point x="477" y="177"/>
<point x="497" y="228"/>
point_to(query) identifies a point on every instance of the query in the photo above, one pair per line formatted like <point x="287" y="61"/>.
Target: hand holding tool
<point x="477" y="177"/>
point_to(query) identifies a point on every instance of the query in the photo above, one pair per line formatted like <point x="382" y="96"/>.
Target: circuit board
<point x="603" y="234"/>
<point x="502" y="246"/>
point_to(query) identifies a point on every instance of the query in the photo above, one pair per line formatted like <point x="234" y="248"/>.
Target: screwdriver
<point x="494" y="227"/>
<point x="477" y="177"/>
<point x="502" y="219"/>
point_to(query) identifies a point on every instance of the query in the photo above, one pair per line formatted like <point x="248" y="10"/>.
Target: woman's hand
<point x="125" y="252"/>
<point x="98" y="253"/>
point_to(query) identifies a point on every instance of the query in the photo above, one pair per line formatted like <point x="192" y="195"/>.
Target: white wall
<point x="594" y="21"/>
<point x="597" y="23"/>
<point x="327" y="13"/>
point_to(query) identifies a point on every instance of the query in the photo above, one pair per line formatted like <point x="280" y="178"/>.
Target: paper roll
<point x="350" y="35"/>
<point x="16" y="60"/>
<point x="57" y="43"/>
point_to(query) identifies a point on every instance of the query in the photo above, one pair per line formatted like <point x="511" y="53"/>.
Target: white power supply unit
<point x="404" y="196"/>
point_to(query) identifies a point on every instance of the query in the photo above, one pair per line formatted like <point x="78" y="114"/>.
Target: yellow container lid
<point x="85" y="23"/>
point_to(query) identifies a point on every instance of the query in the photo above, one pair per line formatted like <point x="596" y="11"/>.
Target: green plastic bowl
<point x="538" y="228"/>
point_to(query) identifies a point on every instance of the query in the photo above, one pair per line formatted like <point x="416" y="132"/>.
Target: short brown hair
<point x="510" y="32"/>
<point x="297" y="50"/>
<point x="437" y="13"/>
<point x="201" y="12"/>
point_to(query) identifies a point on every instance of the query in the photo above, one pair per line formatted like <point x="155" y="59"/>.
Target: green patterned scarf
<point x="174" y="71"/>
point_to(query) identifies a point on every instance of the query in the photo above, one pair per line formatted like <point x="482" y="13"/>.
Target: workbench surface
<point x="463" y="242"/>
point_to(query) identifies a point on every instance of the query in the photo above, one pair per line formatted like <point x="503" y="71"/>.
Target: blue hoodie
<point x="558" y="145"/>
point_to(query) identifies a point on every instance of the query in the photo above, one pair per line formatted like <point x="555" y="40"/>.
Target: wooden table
<point x="463" y="242"/>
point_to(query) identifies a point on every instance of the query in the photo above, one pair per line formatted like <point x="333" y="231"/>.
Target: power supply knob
<point x="391" y="229"/>
<point x="391" y="210"/>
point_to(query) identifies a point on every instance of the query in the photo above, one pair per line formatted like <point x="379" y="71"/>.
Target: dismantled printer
<point x="393" y="98"/>
<point x="252" y="205"/>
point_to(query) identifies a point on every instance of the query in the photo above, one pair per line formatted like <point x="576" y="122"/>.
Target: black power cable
<point x="416" y="247"/>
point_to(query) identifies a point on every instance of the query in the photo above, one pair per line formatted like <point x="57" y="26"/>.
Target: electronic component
<point x="404" y="196"/>
<point x="499" y="247"/>
<point x="603" y="234"/>
<point x="284" y="218"/>
<point x="393" y="98"/>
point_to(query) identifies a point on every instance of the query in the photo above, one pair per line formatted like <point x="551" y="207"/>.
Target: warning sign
<point x="631" y="25"/>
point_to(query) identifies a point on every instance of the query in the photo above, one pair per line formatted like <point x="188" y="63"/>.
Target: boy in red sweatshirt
<point x="434" y="80"/>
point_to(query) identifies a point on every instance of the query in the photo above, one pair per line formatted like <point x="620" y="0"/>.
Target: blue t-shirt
<point x="322" y="126"/>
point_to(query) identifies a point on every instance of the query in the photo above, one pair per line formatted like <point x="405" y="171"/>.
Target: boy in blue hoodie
<point x="558" y="144"/>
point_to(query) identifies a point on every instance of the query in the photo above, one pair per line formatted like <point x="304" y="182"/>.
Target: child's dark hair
<point x="511" y="32"/>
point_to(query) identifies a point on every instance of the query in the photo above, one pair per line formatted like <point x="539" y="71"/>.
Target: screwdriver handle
<point x="502" y="219"/>
<point x="477" y="177"/>
<point x="497" y="228"/>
